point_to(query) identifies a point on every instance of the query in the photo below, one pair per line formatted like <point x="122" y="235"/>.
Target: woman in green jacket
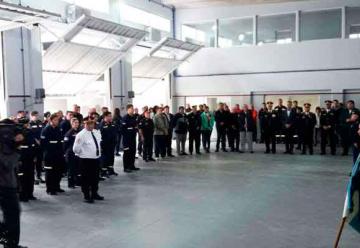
<point x="207" y="124"/>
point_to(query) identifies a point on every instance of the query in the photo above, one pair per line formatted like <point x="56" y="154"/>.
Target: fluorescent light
<point x="214" y="28"/>
<point x="241" y="37"/>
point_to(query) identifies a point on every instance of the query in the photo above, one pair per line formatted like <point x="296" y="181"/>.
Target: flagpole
<point x="342" y="224"/>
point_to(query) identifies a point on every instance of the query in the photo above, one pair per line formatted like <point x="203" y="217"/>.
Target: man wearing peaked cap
<point x="308" y="122"/>
<point x="327" y="127"/>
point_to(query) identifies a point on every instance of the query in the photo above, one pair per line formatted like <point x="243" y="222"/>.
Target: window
<point x="97" y="5"/>
<point x="202" y="33"/>
<point x="235" y="32"/>
<point x="325" y="24"/>
<point x="276" y="29"/>
<point x="353" y="23"/>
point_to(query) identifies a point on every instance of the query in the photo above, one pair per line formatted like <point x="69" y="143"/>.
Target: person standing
<point x="71" y="159"/>
<point x="36" y="127"/>
<point x="65" y="125"/>
<point x="288" y="125"/>
<point x="181" y="124"/>
<point x="146" y="132"/>
<point x="308" y="121"/>
<point x="270" y="123"/>
<point x="9" y="200"/>
<point x="355" y="135"/>
<point x="129" y="130"/>
<point x="161" y="128"/>
<point x="246" y="127"/>
<point x="345" y="123"/>
<point x="169" y="137"/>
<point x="108" y="131"/>
<point x="317" y="135"/>
<point x="261" y="116"/>
<point x="221" y="118"/>
<point x="117" y="120"/>
<point x="194" y="128"/>
<point x="87" y="148"/>
<point x="327" y="125"/>
<point x="26" y="167"/>
<point x="51" y="143"/>
<point x="233" y="129"/>
<point x="207" y="124"/>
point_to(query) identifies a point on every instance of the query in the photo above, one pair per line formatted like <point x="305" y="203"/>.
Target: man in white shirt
<point x="87" y="148"/>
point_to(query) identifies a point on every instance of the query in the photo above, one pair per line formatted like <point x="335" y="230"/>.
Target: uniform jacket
<point x="308" y="122"/>
<point x="147" y="127"/>
<point x="288" y="118"/>
<point x="328" y="119"/>
<point x="221" y="117"/>
<point x="69" y="140"/>
<point x="271" y="121"/>
<point x="129" y="128"/>
<point x="51" y="143"/>
<point x="108" y="134"/>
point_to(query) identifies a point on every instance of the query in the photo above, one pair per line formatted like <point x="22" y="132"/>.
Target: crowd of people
<point x="83" y="148"/>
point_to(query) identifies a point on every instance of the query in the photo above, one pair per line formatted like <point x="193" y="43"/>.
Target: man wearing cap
<point x="52" y="145"/>
<point x="129" y="130"/>
<point x="270" y="123"/>
<point x="308" y="122"/>
<point x="26" y="164"/>
<point x="36" y="127"/>
<point x="327" y="127"/>
<point x="87" y="148"/>
<point x="288" y="126"/>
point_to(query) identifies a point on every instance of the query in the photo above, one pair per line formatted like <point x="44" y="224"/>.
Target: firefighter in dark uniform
<point x="270" y="123"/>
<point x="36" y="127"/>
<point x="261" y="115"/>
<point x="308" y="122"/>
<point x="288" y="126"/>
<point x="65" y="124"/>
<point x="194" y="128"/>
<point x="51" y="143"/>
<point x="108" y="131"/>
<point x="129" y="130"/>
<point x="26" y="165"/>
<point x="71" y="159"/>
<point x="221" y="119"/>
<point x="146" y="132"/>
<point x="327" y="126"/>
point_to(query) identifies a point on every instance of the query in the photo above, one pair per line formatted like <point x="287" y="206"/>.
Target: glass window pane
<point x="276" y="29"/>
<point x="325" y="24"/>
<point x="353" y="23"/>
<point x="201" y="33"/>
<point x="235" y="32"/>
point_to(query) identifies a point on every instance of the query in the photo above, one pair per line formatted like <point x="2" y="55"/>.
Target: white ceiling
<point x="208" y="3"/>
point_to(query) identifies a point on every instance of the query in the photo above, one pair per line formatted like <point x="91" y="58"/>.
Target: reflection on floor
<point x="216" y="200"/>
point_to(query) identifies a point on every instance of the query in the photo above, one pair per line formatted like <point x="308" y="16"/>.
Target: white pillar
<point x="22" y="74"/>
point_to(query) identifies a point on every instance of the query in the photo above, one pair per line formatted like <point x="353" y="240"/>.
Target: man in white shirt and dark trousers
<point x="87" y="148"/>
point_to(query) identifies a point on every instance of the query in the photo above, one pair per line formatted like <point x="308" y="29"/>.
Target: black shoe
<point x="251" y="151"/>
<point x="190" y="153"/>
<point x="240" y="152"/>
<point x="37" y="182"/>
<point x="344" y="154"/>
<point x="322" y="153"/>
<point x="127" y="171"/>
<point x="303" y="153"/>
<point x="207" y="151"/>
<point x="153" y="160"/>
<point x="112" y="173"/>
<point x="98" y="197"/>
<point x="88" y="200"/>
<point x="23" y="199"/>
<point x="32" y="198"/>
<point x="60" y="190"/>
<point x="217" y="150"/>
<point x="41" y="180"/>
<point x="286" y="152"/>
<point x="291" y="153"/>
<point x="224" y="150"/>
<point x="71" y="186"/>
<point x="51" y="193"/>
<point x="267" y="152"/>
<point x="102" y="179"/>
<point x="171" y="156"/>
<point x="135" y="169"/>
<point x="183" y="154"/>
<point x="198" y="153"/>
<point x="117" y="154"/>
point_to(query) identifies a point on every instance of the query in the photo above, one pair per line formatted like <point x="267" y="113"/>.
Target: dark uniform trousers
<point x="38" y="161"/>
<point x="53" y="172"/>
<point x="270" y="138"/>
<point x="148" y="146"/>
<point x="26" y="177"/>
<point x="129" y="156"/>
<point x="74" y="177"/>
<point x="194" y="137"/>
<point x="169" y="142"/>
<point x="206" y="139"/>
<point x="160" y="145"/>
<point x="89" y="169"/>
<point x="108" y="152"/>
<point x="234" y="139"/>
<point x="308" y="141"/>
<point x="289" y="139"/>
<point x="9" y="204"/>
<point x="328" y="134"/>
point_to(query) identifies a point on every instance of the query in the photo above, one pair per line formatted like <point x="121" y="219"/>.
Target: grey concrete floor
<point x="217" y="200"/>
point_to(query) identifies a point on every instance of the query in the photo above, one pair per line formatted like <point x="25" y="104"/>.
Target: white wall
<point x="321" y="66"/>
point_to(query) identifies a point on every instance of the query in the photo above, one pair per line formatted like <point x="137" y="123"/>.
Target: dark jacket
<point x="147" y="127"/>
<point x="129" y="128"/>
<point x="246" y="121"/>
<point x="51" y="143"/>
<point x="181" y="123"/>
<point x="69" y="140"/>
<point x="194" y="122"/>
<point x="328" y="119"/>
<point x="221" y="118"/>
<point x="288" y="118"/>
<point x="108" y="134"/>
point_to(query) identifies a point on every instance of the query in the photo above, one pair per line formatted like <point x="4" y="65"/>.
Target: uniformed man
<point x="261" y="116"/>
<point x="288" y="125"/>
<point x="280" y="107"/>
<point x="71" y="159"/>
<point x="9" y="201"/>
<point x="65" y="125"/>
<point x="27" y="166"/>
<point x="51" y="143"/>
<point x="77" y="114"/>
<point x="169" y="137"/>
<point x="270" y="124"/>
<point x="194" y="119"/>
<point x="108" y="131"/>
<point x="221" y="119"/>
<point x="36" y="127"/>
<point x="345" y="123"/>
<point x="355" y="134"/>
<point x="146" y="131"/>
<point x="129" y="130"/>
<point x="233" y="130"/>
<point x="308" y="121"/>
<point x="87" y="148"/>
<point x="327" y="127"/>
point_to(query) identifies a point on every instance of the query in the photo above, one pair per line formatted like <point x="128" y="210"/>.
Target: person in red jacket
<point x="254" y="114"/>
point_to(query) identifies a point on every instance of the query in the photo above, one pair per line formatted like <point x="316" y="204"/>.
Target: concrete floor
<point x="217" y="200"/>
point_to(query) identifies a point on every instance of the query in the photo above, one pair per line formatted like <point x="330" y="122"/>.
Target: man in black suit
<point x="170" y="120"/>
<point x="288" y="126"/>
